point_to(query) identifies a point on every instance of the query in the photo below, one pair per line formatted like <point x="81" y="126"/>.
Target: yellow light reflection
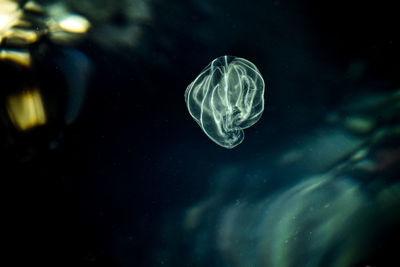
<point x="26" y="109"/>
<point x="22" y="58"/>
<point x="8" y="6"/>
<point x="74" y="24"/>
<point x="21" y="36"/>
<point x="32" y="6"/>
<point x="9" y="14"/>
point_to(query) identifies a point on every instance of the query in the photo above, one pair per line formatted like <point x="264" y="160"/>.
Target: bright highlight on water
<point x="227" y="97"/>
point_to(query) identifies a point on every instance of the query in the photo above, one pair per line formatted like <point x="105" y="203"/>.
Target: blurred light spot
<point x="366" y="165"/>
<point x="194" y="215"/>
<point x="33" y="7"/>
<point x="21" y="37"/>
<point x="8" y="16"/>
<point x="291" y="157"/>
<point x="362" y="153"/>
<point x="19" y="57"/>
<point x="359" y="124"/>
<point x="26" y="109"/>
<point x="138" y="11"/>
<point x="77" y="69"/>
<point x="62" y="37"/>
<point x="75" y="24"/>
<point x="8" y="6"/>
<point x="65" y="27"/>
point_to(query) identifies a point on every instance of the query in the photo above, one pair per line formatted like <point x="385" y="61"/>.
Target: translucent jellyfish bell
<point x="227" y="97"/>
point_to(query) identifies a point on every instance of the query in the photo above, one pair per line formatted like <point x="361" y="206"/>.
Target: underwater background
<point x="103" y="165"/>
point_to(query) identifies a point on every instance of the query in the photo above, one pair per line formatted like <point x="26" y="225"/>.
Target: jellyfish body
<point x="227" y="97"/>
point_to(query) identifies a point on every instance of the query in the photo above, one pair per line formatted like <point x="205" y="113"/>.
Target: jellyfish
<point x="227" y="97"/>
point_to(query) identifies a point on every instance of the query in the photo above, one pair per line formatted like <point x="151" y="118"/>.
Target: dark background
<point x="135" y="156"/>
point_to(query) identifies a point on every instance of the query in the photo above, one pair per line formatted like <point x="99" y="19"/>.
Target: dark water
<point x="121" y="175"/>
